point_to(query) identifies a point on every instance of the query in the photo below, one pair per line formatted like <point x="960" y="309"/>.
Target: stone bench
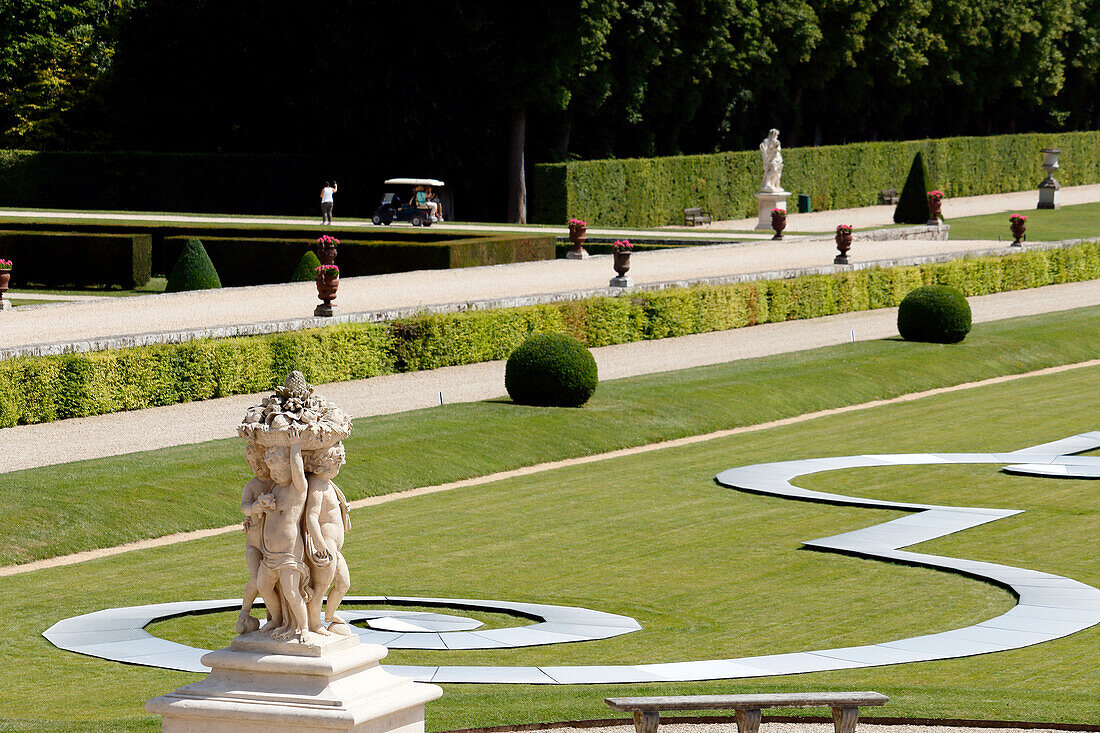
<point x="845" y="705"/>
<point x="695" y="216"/>
<point x="889" y="196"/>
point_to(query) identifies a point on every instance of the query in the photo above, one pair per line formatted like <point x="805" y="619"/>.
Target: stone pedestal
<point x="765" y="202"/>
<point x="324" y="311"/>
<point x="257" y="685"/>
<point x="5" y="305"/>
<point x="581" y="254"/>
<point x="623" y="281"/>
<point x="1047" y="190"/>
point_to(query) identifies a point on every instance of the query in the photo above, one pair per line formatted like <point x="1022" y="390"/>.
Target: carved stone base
<point x="581" y="254"/>
<point x="5" y="305"/>
<point x="261" y="686"/>
<point x="765" y="202"/>
<point x="621" y="282"/>
<point x="1047" y="189"/>
<point x="840" y="260"/>
<point x="324" y="311"/>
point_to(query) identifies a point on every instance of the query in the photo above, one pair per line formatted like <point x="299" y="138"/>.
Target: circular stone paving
<point x="1049" y="606"/>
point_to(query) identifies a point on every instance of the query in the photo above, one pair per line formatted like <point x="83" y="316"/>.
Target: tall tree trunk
<point x="561" y="148"/>
<point x="517" y="183"/>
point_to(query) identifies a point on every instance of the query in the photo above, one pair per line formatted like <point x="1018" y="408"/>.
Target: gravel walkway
<point x="63" y="323"/>
<point x="880" y="216"/>
<point x="784" y="728"/>
<point x="29" y="446"/>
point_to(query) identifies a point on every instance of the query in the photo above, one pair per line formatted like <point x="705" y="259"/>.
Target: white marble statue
<point x="772" y="156"/>
<point x="295" y="517"/>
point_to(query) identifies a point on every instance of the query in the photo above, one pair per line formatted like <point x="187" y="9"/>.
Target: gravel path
<point x="30" y="446"/>
<point x="879" y="216"/>
<point x="108" y="317"/>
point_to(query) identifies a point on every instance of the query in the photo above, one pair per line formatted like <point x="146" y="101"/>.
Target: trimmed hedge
<point x="193" y="270"/>
<point x="551" y="370"/>
<point x="912" y="205"/>
<point x="261" y="260"/>
<point x="938" y="314"/>
<point x="59" y="259"/>
<point x="644" y="192"/>
<point x="40" y="389"/>
<point x="306" y="271"/>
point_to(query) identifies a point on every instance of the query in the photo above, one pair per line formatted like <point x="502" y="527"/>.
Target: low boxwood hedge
<point x="40" y="389"/>
<point x="59" y="259"/>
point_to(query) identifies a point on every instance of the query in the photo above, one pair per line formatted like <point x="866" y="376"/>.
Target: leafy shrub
<point x="551" y="370"/>
<point x="935" y="313"/>
<point x="193" y="270"/>
<point x="65" y="258"/>
<point x="306" y="271"/>
<point x="912" y="205"/>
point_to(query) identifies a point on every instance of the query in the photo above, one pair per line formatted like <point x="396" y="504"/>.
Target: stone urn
<point x="578" y="235"/>
<point x="1018" y="225"/>
<point x="326" y="250"/>
<point x="935" y="208"/>
<point x="327" y="285"/>
<point x="621" y="263"/>
<point x="5" y="278"/>
<point x="843" y="244"/>
<point x="779" y="222"/>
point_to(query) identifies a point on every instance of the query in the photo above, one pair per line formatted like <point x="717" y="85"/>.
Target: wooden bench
<point x="845" y="705"/>
<point x="695" y="216"/>
<point x="889" y="196"/>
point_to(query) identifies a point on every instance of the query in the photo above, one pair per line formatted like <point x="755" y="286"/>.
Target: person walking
<point x="326" y="202"/>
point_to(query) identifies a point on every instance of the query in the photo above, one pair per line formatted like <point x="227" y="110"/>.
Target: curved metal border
<point x="1049" y="607"/>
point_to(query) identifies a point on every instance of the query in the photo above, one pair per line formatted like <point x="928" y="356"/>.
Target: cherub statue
<point x="253" y="509"/>
<point x="326" y="521"/>
<point x="283" y="547"/>
<point x="772" y="156"/>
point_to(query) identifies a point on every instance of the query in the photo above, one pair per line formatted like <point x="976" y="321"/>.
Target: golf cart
<point x="397" y="208"/>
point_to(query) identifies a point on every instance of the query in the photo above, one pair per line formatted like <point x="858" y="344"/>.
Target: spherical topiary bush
<point x="551" y="370"/>
<point x="193" y="270"/>
<point x="935" y="313"/>
<point x="307" y="268"/>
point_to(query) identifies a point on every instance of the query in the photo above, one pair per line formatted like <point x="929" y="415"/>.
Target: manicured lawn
<point x="62" y="509"/>
<point x="708" y="572"/>
<point x="155" y="285"/>
<point x="1047" y="225"/>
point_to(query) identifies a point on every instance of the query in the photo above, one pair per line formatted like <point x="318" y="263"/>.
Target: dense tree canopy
<point x="473" y="90"/>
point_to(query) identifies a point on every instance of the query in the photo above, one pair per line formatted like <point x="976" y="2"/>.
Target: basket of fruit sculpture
<point x="294" y="414"/>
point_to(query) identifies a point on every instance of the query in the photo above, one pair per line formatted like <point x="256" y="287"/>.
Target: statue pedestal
<point x="257" y="685"/>
<point x="765" y="202"/>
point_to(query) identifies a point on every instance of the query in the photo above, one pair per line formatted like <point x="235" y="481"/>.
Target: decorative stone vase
<point x="935" y="206"/>
<point x="327" y="253"/>
<point x="326" y="291"/>
<point x="843" y="244"/>
<point x="779" y="223"/>
<point x="578" y="235"/>
<point x="1019" y="228"/>
<point x="621" y="263"/>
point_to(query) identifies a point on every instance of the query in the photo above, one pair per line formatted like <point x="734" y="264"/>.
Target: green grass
<point x="708" y="572"/>
<point x="155" y="285"/>
<point x="62" y="509"/>
<point x="1043" y="225"/>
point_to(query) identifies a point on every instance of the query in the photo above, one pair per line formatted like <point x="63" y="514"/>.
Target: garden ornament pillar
<point x="304" y="669"/>
<point x="5" y="278"/>
<point x="1049" y="185"/>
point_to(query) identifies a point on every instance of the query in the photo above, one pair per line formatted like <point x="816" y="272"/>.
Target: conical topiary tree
<point x="306" y="270"/>
<point x="913" y="203"/>
<point x="193" y="270"/>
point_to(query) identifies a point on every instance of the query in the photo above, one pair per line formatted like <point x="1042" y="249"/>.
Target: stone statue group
<point x="295" y="516"/>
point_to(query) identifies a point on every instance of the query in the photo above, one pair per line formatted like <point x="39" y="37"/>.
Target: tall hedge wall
<point x="645" y="192"/>
<point x="41" y="389"/>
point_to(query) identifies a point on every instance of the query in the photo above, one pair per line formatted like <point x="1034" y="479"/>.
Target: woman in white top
<point x="326" y="202"/>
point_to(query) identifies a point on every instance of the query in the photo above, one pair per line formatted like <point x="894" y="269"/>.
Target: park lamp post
<point x="1049" y="185"/>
